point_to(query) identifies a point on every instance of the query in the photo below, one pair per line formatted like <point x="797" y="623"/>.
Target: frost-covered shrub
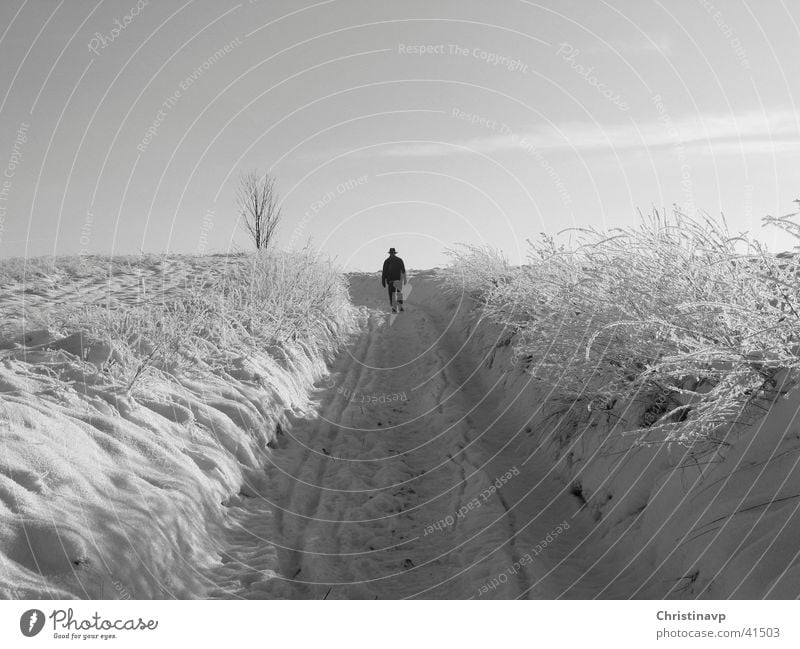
<point x="675" y="307"/>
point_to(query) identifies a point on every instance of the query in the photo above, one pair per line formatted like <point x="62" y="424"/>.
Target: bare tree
<point x="258" y="202"/>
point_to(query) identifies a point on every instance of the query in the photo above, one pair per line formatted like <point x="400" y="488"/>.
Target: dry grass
<point x="219" y="308"/>
<point x="675" y="311"/>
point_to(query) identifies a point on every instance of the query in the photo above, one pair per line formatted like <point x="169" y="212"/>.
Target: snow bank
<point x="118" y="490"/>
<point x="716" y="521"/>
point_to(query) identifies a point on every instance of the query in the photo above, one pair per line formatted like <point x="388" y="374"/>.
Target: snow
<point x="358" y="503"/>
<point x="104" y="492"/>
<point x="418" y="463"/>
<point x="666" y="521"/>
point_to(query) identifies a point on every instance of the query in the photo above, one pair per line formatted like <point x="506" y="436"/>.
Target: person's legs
<point x="391" y="294"/>
<point x="398" y="287"/>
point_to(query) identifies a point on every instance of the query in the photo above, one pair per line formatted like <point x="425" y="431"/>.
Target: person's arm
<point x="403" y="272"/>
<point x="383" y="277"/>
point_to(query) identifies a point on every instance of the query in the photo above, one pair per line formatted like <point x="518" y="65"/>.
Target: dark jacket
<point x="393" y="269"/>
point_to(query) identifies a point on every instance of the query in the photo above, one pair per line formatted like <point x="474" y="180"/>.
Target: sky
<point x="422" y="124"/>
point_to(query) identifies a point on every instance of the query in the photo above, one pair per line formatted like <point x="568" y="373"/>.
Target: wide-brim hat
<point x="392" y="251"/>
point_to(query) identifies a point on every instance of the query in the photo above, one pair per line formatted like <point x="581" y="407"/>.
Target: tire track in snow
<point x="368" y="529"/>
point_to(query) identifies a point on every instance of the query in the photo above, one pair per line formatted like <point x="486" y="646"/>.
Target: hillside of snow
<point x="122" y="451"/>
<point x="656" y="521"/>
<point x="214" y="438"/>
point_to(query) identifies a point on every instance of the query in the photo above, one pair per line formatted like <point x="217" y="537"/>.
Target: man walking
<point x="394" y="276"/>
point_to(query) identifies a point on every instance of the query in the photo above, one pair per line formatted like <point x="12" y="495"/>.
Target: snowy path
<point x="364" y="495"/>
<point x="423" y="466"/>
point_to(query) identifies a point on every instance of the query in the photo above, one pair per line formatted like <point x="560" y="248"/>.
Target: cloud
<point x="749" y="132"/>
